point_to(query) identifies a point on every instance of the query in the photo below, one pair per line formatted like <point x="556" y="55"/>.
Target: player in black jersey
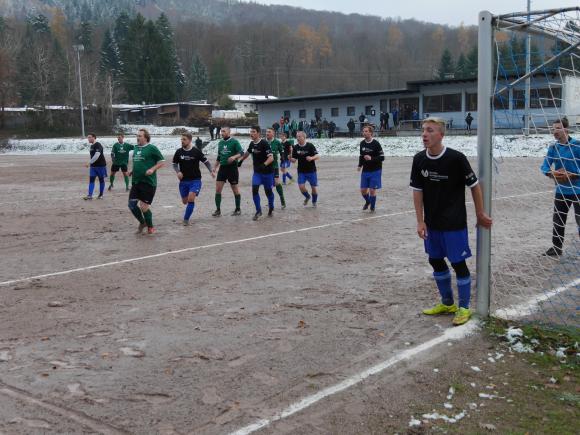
<point x="306" y="155"/>
<point x="97" y="165"/>
<point x="186" y="165"/>
<point x="438" y="179"/>
<point x="371" y="163"/>
<point x="263" y="170"/>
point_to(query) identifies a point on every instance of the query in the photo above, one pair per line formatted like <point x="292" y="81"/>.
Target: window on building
<point x="546" y="98"/>
<point x="334" y="112"/>
<point x="384" y="104"/>
<point x="471" y="102"/>
<point x="500" y="101"/>
<point x="432" y="103"/>
<point x="302" y="114"/>
<point x="287" y="114"/>
<point x="368" y="110"/>
<point x="350" y="111"/>
<point x="451" y="103"/>
<point x="318" y="113"/>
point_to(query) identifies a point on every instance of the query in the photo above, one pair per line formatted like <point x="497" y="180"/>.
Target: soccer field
<point x="209" y="328"/>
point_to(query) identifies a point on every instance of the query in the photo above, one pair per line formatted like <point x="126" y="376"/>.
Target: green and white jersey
<point x="277" y="150"/>
<point x="228" y="148"/>
<point x="120" y="153"/>
<point x="144" y="158"/>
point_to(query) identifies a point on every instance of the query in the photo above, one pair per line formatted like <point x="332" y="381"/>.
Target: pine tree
<point x="471" y="63"/>
<point x="220" y="82"/>
<point x="131" y="49"/>
<point x="446" y="67"/>
<point x="198" y="81"/>
<point x="460" y="68"/>
<point x="166" y="32"/>
<point x="121" y="28"/>
<point x="110" y="63"/>
<point x="85" y="36"/>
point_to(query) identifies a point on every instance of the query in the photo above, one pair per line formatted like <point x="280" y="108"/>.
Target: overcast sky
<point x="451" y="12"/>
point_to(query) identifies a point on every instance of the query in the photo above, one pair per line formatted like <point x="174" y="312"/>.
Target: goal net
<point x="535" y="82"/>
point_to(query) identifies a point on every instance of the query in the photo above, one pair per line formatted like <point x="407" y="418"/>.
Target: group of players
<point x="439" y="177"/>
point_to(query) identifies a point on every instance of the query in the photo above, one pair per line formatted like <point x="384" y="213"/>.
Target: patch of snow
<point x="414" y="422"/>
<point x="448" y="405"/>
<point x="445" y="418"/>
<point x="561" y="353"/>
<point x="451" y="393"/>
<point x="475" y="369"/>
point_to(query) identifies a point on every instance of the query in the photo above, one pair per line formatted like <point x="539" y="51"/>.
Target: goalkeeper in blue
<point x="438" y="178"/>
<point x="562" y="164"/>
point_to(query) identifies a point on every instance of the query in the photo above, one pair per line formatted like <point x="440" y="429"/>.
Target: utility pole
<point x="78" y="49"/>
<point x="528" y="80"/>
<point x="278" y="81"/>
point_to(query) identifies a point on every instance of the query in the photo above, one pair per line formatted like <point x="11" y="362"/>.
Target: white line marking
<point x="455" y="333"/>
<point x="215" y="245"/>
<point x="517" y="311"/>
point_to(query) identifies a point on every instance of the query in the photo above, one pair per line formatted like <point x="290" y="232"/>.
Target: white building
<point x="247" y="103"/>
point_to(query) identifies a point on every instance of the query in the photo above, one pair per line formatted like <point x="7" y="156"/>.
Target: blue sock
<point x="289" y="175"/>
<point x="373" y="201"/>
<point x="188" y="210"/>
<point x="257" y="202"/>
<point x="284" y="178"/>
<point x="101" y="187"/>
<point x="464" y="290"/>
<point x="306" y="195"/>
<point x="271" y="199"/>
<point x="91" y="188"/>
<point x="314" y="198"/>
<point x="443" y="280"/>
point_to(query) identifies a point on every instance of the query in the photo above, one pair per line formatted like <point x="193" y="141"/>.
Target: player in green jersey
<point x="226" y="167"/>
<point x="285" y="161"/>
<point x="120" y="160"/>
<point x="277" y="151"/>
<point x="147" y="159"/>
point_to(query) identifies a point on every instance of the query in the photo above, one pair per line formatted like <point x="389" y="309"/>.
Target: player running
<point x="562" y="164"/>
<point x="98" y="167"/>
<point x="306" y="155"/>
<point x="120" y="159"/>
<point x="371" y="162"/>
<point x="277" y="150"/>
<point x="438" y="179"/>
<point x="186" y="166"/>
<point x="226" y="166"/>
<point x="285" y="162"/>
<point x="147" y="159"/>
<point x="263" y="171"/>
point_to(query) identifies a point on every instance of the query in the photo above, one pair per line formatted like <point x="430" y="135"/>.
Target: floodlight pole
<point x="528" y="80"/>
<point x="484" y="155"/>
<point x="78" y="49"/>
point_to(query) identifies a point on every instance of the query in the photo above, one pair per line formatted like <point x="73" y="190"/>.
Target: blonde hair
<point x="435" y="120"/>
<point x="145" y="134"/>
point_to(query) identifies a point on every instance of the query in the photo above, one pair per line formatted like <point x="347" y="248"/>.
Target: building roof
<point x="251" y="98"/>
<point x="336" y="95"/>
<point x="137" y="107"/>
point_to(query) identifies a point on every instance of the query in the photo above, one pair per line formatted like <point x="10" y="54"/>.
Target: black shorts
<point x="228" y="173"/>
<point x="143" y="192"/>
<point x="116" y="168"/>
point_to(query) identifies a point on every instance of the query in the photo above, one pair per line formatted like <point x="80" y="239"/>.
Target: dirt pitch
<point x="210" y="339"/>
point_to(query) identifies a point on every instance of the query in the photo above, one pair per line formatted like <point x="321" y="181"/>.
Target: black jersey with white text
<point x="260" y="152"/>
<point x="443" y="179"/>
<point x="188" y="161"/>
<point x="98" y="148"/>
<point x="375" y="151"/>
<point x="300" y="152"/>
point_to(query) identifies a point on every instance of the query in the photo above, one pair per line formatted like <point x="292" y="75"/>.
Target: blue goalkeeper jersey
<point x="567" y="157"/>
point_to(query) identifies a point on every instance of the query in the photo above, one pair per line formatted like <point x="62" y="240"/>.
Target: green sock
<point x="148" y="218"/>
<point x="112" y="179"/>
<point x="281" y="193"/>
<point x="138" y="214"/>
<point x="126" y="181"/>
<point x="238" y="199"/>
<point x="218" y="201"/>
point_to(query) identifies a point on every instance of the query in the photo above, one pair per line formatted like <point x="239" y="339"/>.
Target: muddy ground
<point x="209" y="340"/>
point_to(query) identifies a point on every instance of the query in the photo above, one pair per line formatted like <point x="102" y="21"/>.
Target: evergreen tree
<point x="471" y="63"/>
<point x="460" y="68"/>
<point x="85" y="36"/>
<point x="110" y="63"/>
<point x="220" y="82"/>
<point x="39" y="24"/>
<point x="446" y="67"/>
<point x="198" y="82"/>
<point x="132" y="52"/>
<point x="166" y="32"/>
<point x="121" y="28"/>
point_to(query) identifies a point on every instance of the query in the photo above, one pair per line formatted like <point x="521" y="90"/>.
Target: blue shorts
<point x="186" y="187"/>
<point x="98" y="171"/>
<point x="371" y="180"/>
<point x="267" y="180"/>
<point x="285" y="163"/>
<point x="453" y="245"/>
<point x="311" y="177"/>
